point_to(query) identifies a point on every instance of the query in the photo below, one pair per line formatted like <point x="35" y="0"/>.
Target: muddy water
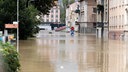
<point x="60" y="52"/>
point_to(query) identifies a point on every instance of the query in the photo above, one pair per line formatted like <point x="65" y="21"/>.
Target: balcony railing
<point x="77" y="11"/>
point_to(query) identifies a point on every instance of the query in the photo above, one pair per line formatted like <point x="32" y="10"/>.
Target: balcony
<point x="77" y="11"/>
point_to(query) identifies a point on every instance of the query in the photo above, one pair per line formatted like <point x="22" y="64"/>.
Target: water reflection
<point x="83" y="53"/>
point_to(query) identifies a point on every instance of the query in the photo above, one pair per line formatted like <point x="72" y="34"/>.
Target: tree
<point x="42" y="5"/>
<point x="28" y="22"/>
<point x="7" y="12"/>
<point x="28" y="10"/>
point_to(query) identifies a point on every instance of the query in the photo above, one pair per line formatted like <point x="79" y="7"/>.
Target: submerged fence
<point x="87" y="28"/>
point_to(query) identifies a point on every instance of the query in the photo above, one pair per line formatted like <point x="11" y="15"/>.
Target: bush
<point x="10" y="58"/>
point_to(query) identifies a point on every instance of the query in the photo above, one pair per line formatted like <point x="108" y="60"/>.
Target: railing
<point x="84" y="28"/>
<point x="87" y="30"/>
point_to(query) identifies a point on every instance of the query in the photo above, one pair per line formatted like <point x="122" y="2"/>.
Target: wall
<point x="117" y="17"/>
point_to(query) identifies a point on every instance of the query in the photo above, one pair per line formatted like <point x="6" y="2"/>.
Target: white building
<point x="54" y="15"/>
<point x="71" y="15"/>
<point x="118" y="18"/>
<point x="83" y="13"/>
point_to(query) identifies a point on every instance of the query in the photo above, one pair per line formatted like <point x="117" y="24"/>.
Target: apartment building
<point x="54" y="15"/>
<point x="118" y="18"/>
<point x="126" y="18"/>
<point x="87" y="16"/>
<point x="72" y="16"/>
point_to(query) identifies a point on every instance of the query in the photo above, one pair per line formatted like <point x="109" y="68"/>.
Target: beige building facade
<point x="54" y="15"/>
<point x="87" y="16"/>
<point x="118" y="18"/>
<point x="72" y="16"/>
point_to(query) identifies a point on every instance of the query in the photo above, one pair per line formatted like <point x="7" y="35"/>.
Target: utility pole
<point x="18" y="26"/>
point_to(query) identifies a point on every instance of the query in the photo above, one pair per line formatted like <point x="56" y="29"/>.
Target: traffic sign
<point x="11" y="25"/>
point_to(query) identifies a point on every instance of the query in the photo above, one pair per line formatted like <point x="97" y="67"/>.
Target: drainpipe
<point x="102" y="20"/>
<point x="108" y="18"/>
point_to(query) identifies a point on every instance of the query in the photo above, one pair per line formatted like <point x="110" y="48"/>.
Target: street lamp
<point x="18" y="26"/>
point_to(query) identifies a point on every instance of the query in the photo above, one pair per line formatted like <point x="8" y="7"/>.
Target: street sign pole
<point x="18" y="26"/>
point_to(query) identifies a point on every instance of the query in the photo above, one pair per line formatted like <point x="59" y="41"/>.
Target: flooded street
<point x="60" y="52"/>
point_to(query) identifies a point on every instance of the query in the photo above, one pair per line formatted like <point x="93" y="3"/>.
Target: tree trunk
<point x="27" y="3"/>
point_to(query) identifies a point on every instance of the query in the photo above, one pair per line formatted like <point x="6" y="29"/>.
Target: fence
<point x="87" y="28"/>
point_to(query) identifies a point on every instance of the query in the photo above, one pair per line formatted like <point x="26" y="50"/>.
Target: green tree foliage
<point x="28" y="21"/>
<point x="28" y="10"/>
<point x="65" y="2"/>
<point x="42" y="5"/>
<point x="72" y="1"/>
<point x="7" y="12"/>
<point x="10" y="57"/>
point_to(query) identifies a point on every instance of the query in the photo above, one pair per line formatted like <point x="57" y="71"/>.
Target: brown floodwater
<point x="60" y="52"/>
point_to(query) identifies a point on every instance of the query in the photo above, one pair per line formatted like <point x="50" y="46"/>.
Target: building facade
<point x="87" y="16"/>
<point x="126" y="18"/>
<point x="118" y="18"/>
<point x="54" y="15"/>
<point x="72" y="16"/>
<point x="83" y="16"/>
<point x="105" y="23"/>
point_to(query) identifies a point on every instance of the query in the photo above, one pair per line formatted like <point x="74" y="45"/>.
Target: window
<point x="56" y="16"/>
<point x="56" y="20"/>
<point x="119" y="19"/>
<point x="94" y="10"/>
<point x="51" y="11"/>
<point x="47" y="20"/>
<point x="56" y="11"/>
<point x="47" y="16"/>
<point x="42" y="20"/>
<point x="94" y="25"/>
<point x="122" y="19"/>
<point x="52" y="20"/>
<point x="106" y="16"/>
<point x="51" y="16"/>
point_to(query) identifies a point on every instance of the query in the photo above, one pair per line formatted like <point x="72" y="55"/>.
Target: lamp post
<point x="18" y="26"/>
